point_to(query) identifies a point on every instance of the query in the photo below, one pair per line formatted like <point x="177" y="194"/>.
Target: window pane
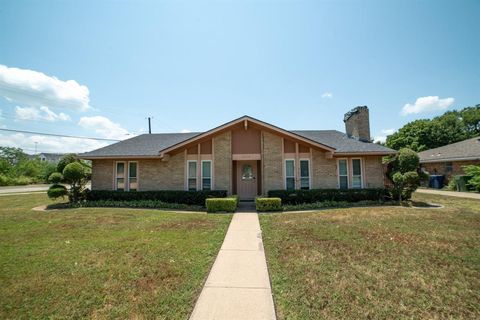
<point x="290" y="168"/>
<point x="206" y="169"/>
<point x="247" y="172"/>
<point x="305" y="183"/>
<point x="192" y="169"/>
<point x="356" y="167"/>
<point x="304" y="168"/>
<point x="192" y="184"/>
<point x="132" y="169"/>
<point x="290" y="183"/>
<point x="342" y="167"/>
<point x="206" y="184"/>
<point x="343" y="182"/>
<point x="356" y="182"/>
<point x="120" y="184"/>
<point x="120" y="169"/>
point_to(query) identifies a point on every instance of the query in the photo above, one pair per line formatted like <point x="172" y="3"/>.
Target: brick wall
<point x="439" y="167"/>
<point x="374" y="177"/>
<point x="155" y="174"/>
<point x="272" y="170"/>
<point x="324" y="171"/>
<point x="222" y="161"/>
<point x="102" y="174"/>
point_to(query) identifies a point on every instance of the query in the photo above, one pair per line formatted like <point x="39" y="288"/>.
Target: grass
<point x="376" y="263"/>
<point x="102" y="263"/>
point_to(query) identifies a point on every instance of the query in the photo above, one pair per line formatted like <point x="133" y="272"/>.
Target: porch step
<point x="246" y="206"/>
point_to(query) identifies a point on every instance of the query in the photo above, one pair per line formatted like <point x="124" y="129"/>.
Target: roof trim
<point x="451" y="159"/>
<point x="366" y="153"/>
<point x="238" y="120"/>
<point x="116" y="157"/>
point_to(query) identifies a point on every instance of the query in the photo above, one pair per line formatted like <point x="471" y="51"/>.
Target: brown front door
<point x="247" y="180"/>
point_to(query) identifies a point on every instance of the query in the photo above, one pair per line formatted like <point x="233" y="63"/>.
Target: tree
<point x="12" y="155"/>
<point x="474" y="173"/>
<point x="75" y="175"/>
<point x="452" y="126"/>
<point x="402" y="170"/>
<point x="66" y="159"/>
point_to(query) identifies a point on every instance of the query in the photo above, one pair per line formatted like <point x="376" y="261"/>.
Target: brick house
<point x="246" y="156"/>
<point x="449" y="160"/>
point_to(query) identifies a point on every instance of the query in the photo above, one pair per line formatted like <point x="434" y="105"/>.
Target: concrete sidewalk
<point x="469" y="195"/>
<point x="238" y="286"/>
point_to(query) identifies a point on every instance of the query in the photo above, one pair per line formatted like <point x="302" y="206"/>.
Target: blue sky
<point x="193" y="65"/>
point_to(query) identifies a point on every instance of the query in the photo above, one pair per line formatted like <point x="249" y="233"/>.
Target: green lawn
<point x="376" y="263"/>
<point x="102" y="263"/>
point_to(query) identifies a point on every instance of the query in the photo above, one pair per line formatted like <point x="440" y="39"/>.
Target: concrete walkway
<point x="469" y="195"/>
<point x="238" y="286"/>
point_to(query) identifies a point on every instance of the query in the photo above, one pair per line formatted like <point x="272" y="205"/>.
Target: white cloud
<point x="42" y="113"/>
<point x="427" y="104"/>
<point x="50" y="144"/>
<point x="36" y="89"/>
<point x="328" y="95"/>
<point x="383" y="138"/>
<point x="104" y="127"/>
<point x="185" y="131"/>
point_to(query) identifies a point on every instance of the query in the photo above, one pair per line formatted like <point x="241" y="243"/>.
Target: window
<point x="132" y="176"/>
<point x="342" y="174"/>
<point x="206" y="175"/>
<point x="356" y="173"/>
<point x="304" y="174"/>
<point x="290" y="174"/>
<point x="448" y="167"/>
<point x="247" y="172"/>
<point x="120" y="176"/>
<point x="192" y="175"/>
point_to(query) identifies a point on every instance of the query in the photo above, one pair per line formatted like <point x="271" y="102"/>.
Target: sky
<point x="100" y="68"/>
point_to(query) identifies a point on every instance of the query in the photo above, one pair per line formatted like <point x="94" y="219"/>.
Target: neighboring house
<point x="49" y="157"/>
<point x="449" y="160"/>
<point x="246" y="156"/>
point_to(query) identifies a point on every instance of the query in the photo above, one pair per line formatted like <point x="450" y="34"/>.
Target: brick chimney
<point x="357" y="123"/>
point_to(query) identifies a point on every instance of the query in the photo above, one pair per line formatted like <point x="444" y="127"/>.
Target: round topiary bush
<point x="57" y="191"/>
<point x="55" y="178"/>
<point x="74" y="172"/>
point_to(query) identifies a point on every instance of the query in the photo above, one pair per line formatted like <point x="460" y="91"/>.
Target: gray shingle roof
<point x="142" y="145"/>
<point x="463" y="150"/>
<point x="151" y="144"/>
<point x="341" y="142"/>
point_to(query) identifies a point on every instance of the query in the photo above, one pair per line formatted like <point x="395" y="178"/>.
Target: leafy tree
<point x="66" y="159"/>
<point x="402" y="170"/>
<point x="55" y="177"/>
<point x="12" y="155"/>
<point x="75" y="174"/>
<point x="474" y="172"/>
<point x="451" y="127"/>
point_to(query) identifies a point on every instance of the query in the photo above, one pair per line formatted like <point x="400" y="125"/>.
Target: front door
<point x="247" y="180"/>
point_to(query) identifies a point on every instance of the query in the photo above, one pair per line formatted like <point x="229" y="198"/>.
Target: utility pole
<point x="149" y="126"/>
<point x="36" y="147"/>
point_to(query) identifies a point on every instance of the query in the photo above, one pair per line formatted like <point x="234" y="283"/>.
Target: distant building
<point x="49" y="157"/>
<point x="449" y="160"/>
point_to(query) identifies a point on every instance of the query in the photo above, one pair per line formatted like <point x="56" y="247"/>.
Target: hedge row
<point x="169" y="196"/>
<point x="320" y="195"/>
<point x="140" y="204"/>
<point x="215" y="205"/>
<point x="268" y="204"/>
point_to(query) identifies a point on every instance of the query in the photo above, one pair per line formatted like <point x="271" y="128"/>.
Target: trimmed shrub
<point x="336" y="204"/>
<point x="22" y="181"/>
<point x="221" y="204"/>
<point x="320" y="195"/>
<point x="268" y="204"/>
<point x="55" y="178"/>
<point x="145" y="204"/>
<point x="57" y="191"/>
<point x="169" y="196"/>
